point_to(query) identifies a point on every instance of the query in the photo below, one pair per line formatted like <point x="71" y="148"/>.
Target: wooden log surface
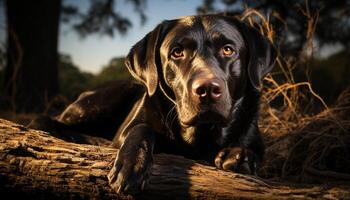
<point x="36" y="165"/>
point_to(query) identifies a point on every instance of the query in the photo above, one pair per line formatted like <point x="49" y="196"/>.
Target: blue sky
<point x="94" y="51"/>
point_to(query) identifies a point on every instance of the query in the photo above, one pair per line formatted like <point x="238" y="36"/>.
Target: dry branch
<point x="35" y="165"/>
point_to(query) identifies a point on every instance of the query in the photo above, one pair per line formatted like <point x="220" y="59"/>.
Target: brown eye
<point x="177" y="52"/>
<point x="228" y="51"/>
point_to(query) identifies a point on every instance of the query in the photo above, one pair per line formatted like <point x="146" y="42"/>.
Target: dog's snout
<point x="207" y="89"/>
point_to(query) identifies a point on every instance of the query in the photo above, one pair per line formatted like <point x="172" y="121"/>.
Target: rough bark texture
<point x="36" y="165"/>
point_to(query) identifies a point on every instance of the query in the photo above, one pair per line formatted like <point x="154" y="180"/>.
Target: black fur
<point x="196" y="94"/>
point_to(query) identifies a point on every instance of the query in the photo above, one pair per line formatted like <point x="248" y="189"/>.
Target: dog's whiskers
<point x="168" y="116"/>
<point x="173" y="119"/>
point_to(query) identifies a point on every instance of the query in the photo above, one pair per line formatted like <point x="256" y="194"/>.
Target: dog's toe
<point x="236" y="159"/>
<point x="127" y="180"/>
<point x="129" y="176"/>
<point x="228" y="158"/>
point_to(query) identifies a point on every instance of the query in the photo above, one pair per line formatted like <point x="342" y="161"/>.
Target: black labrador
<point x="196" y="94"/>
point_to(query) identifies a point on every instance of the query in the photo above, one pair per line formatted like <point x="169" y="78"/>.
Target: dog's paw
<point x="130" y="171"/>
<point x="237" y="159"/>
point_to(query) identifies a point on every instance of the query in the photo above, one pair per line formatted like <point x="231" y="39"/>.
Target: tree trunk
<point x="31" y="72"/>
<point x="35" y="165"/>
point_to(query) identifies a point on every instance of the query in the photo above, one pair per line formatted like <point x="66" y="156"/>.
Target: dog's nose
<point x="207" y="89"/>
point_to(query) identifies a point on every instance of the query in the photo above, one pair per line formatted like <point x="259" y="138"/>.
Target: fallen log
<point x="36" y="165"/>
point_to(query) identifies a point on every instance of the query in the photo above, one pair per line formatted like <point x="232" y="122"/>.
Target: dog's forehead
<point x="203" y="27"/>
<point x="187" y="21"/>
<point x="207" y="22"/>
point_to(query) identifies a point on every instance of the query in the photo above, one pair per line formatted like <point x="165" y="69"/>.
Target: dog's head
<point x="203" y="64"/>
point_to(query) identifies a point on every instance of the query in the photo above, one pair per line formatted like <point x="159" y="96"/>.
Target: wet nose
<point x="208" y="89"/>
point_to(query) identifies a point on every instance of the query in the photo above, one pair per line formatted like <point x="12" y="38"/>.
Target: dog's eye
<point x="177" y="52"/>
<point x="228" y="51"/>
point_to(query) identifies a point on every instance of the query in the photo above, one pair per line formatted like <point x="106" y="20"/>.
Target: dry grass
<point x="301" y="146"/>
<point x="316" y="149"/>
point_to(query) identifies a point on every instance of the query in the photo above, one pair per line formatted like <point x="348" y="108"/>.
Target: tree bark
<point x="36" y="165"/>
<point x="31" y="76"/>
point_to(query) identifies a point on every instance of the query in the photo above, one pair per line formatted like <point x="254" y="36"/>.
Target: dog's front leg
<point x="131" y="167"/>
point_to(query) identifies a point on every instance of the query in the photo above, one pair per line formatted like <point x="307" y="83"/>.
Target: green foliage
<point x="115" y="70"/>
<point x="71" y="80"/>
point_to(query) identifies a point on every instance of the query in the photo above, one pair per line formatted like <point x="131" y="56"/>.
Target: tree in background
<point x="31" y="73"/>
<point x="295" y="19"/>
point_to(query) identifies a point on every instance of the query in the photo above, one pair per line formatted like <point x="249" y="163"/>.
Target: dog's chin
<point x="204" y="117"/>
<point x="203" y="122"/>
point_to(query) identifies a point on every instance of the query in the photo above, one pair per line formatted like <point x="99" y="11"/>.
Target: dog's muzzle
<point x="207" y="91"/>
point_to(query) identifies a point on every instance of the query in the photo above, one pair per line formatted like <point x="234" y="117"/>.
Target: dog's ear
<point x="262" y="54"/>
<point x="141" y="60"/>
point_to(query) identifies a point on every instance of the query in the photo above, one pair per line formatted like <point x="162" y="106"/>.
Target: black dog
<point x="197" y="95"/>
